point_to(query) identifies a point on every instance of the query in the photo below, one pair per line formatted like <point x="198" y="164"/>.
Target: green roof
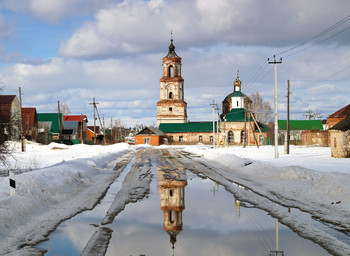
<point x="50" y="117"/>
<point x="187" y="127"/>
<point x="301" y="125"/>
<point x="263" y="128"/>
<point x="237" y="94"/>
<point x="236" y="115"/>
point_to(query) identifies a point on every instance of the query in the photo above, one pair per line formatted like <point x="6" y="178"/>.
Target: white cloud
<point x="139" y="26"/>
<point x="53" y="11"/>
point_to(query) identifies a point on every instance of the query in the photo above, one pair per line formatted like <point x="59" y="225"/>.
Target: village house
<point x="337" y="116"/>
<point x="151" y="136"/>
<point x="10" y="114"/>
<point x="74" y="128"/>
<point x="50" y="126"/>
<point x="234" y="122"/>
<point x="30" y="123"/>
<point x="340" y="138"/>
<point x="303" y="132"/>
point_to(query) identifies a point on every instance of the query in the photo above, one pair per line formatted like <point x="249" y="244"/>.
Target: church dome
<point x="171" y="52"/>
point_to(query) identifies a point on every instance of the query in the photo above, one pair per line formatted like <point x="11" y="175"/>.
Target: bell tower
<point x="171" y="108"/>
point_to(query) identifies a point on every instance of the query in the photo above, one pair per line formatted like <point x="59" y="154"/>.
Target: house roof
<point x="97" y="129"/>
<point x="345" y="111"/>
<point x="29" y="117"/>
<point x="187" y="127"/>
<point x="50" y="117"/>
<point x="5" y="106"/>
<point x="236" y="115"/>
<point x="300" y="125"/>
<point x="151" y="131"/>
<point x="74" y="118"/>
<point x="343" y="125"/>
<point x="7" y="99"/>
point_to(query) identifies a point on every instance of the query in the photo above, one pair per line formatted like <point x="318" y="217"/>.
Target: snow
<point x="64" y="183"/>
<point x="56" y="181"/>
<point x="308" y="180"/>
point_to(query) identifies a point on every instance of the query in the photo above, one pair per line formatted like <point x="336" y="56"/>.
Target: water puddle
<point x="182" y="215"/>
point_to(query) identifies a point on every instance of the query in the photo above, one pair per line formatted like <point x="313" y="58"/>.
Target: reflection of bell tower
<point x="171" y="108"/>
<point x="172" y="201"/>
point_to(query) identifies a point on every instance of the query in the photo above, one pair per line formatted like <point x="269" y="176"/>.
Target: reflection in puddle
<point x="213" y="223"/>
<point x="172" y="200"/>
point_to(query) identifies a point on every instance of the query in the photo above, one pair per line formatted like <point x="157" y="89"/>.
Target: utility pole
<point x="217" y="126"/>
<point x="21" y="121"/>
<point x="308" y="114"/>
<point x="59" y="120"/>
<point x="276" y="112"/>
<point x="94" y="105"/>
<point x="213" y="104"/>
<point x="81" y="129"/>
<point x="286" y="145"/>
<point x="317" y="114"/>
<point x="245" y="122"/>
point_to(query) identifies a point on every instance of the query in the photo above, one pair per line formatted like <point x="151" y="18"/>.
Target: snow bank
<point x="69" y="181"/>
<point x="305" y="179"/>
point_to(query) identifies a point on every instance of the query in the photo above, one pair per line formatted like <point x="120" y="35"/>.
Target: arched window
<point x="171" y="71"/>
<point x="170" y="95"/>
<point x="242" y="136"/>
<point x="230" y="137"/>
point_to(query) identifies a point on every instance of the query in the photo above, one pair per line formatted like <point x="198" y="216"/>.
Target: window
<point x="230" y="137"/>
<point x="237" y="103"/>
<point x="335" y="142"/>
<point x="211" y="139"/>
<point x="181" y="139"/>
<point x="242" y="137"/>
<point x="171" y="216"/>
<point x="146" y="140"/>
<point x="170" y="95"/>
<point x="171" y="71"/>
<point x="171" y="192"/>
<point x="200" y="138"/>
<point x="170" y="109"/>
<point x="261" y="139"/>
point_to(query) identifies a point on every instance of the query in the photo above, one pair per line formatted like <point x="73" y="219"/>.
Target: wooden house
<point x="30" y="123"/>
<point x="10" y="115"/>
<point x="74" y="128"/>
<point x="50" y="126"/>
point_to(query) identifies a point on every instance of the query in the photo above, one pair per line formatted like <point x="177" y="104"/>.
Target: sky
<point x="77" y="50"/>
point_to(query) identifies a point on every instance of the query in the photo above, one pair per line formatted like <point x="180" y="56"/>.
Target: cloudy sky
<point x="74" y="50"/>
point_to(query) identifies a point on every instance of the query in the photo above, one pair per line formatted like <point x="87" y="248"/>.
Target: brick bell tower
<point x="171" y="108"/>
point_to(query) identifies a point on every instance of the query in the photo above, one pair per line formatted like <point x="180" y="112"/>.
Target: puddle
<point x="180" y="216"/>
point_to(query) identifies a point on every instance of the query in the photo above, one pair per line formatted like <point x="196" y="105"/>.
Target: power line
<point x="344" y="20"/>
<point x="317" y="43"/>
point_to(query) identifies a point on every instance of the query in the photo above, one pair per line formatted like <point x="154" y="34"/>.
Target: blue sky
<point x="74" y="50"/>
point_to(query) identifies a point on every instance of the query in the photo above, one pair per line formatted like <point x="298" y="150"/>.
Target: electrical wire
<point x="344" y="20"/>
<point x="311" y="46"/>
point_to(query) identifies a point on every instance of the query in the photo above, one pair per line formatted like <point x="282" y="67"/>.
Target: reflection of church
<point x="172" y="200"/>
<point x="172" y="111"/>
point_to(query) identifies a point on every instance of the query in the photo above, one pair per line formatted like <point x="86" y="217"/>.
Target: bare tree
<point x="65" y="110"/>
<point x="262" y="109"/>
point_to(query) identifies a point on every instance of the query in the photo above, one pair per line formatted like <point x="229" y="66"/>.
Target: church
<point x="236" y="123"/>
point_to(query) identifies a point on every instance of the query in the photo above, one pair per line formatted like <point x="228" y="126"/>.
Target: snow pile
<point x="317" y="193"/>
<point x="289" y="180"/>
<point x="44" y="197"/>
